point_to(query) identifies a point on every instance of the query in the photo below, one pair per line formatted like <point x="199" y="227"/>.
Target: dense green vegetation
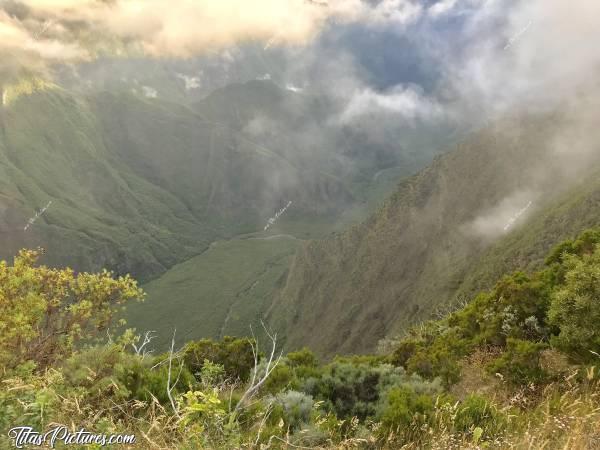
<point x="516" y="367"/>
<point x="142" y="186"/>
<point x="220" y="292"/>
<point x="421" y="253"/>
<point x="138" y="185"/>
<point x="102" y="214"/>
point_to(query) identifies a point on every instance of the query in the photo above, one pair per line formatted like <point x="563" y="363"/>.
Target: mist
<point x="448" y="68"/>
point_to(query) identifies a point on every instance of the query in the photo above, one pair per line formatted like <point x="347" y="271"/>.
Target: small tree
<point x="44" y="312"/>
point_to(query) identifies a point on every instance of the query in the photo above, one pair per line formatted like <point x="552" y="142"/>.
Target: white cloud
<point x="406" y="102"/>
<point x="190" y="82"/>
<point x="64" y="30"/>
<point x="398" y="12"/>
<point x="441" y="8"/>
<point x="503" y="217"/>
<point x="149" y="92"/>
<point x="545" y="49"/>
<point x="291" y="87"/>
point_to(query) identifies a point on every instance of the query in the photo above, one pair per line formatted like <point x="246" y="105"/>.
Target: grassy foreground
<point x="515" y="367"/>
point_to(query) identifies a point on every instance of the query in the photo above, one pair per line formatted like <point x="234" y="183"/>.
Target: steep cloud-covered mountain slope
<point x="498" y="201"/>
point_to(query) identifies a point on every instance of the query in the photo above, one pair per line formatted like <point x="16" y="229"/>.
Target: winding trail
<point x="275" y="236"/>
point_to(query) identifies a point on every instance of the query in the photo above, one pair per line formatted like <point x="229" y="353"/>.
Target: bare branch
<point x="255" y="385"/>
<point x="148" y="336"/>
<point x="169" y="386"/>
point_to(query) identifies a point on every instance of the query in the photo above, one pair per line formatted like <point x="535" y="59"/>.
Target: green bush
<point x="296" y="408"/>
<point x="303" y="357"/>
<point x="520" y="363"/>
<point x="405" y="350"/>
<point x="234" y="354"/>
<point x="575" y="307"/>
<point x="281" y="378"/>
<point x="356" y="390"/>
<point x="45" y="313"/>
<point x="108" y="371"/>
<point x="403" y="408"/>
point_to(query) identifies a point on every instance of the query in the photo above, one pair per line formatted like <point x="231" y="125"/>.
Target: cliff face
<point x="496" y="202"/>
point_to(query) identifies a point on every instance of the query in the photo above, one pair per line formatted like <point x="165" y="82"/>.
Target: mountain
<point x="182" y="81"/>
<point x="102" y="214"/>
<point x="306" y="127"/>
<point x="168" y="191"/>
<point x="229" y="287"/>
<point x="498" y="201"/>
<point x="135" y="184"/>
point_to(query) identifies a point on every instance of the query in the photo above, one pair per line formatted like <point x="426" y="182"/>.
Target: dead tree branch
<point x="170" y="386"/>
<point x="148" y="336"/>
<point x="257" y="381"/>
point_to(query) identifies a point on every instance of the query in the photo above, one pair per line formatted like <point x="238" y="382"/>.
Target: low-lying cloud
<point x="406" y="102"/>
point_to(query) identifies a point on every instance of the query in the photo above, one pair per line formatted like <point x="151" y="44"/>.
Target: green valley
<point x="221" y="292"/>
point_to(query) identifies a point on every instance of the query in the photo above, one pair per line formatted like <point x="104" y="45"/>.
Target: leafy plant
<point x="575" y="307"/>
<point x="45" y="313"/>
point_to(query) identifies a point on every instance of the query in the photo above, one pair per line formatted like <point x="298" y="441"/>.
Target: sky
<point x="412" y="60"/>
<point x="403" y="56"/>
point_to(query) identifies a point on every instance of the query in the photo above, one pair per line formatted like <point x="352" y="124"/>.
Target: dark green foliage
<point x="520" y="363"/>
<point x="404" y="352"/>
<point x="515" y="309"/>
<point x="110" y="371"/>
<point x="521" y="316"/>
<point x="355" y="390"/>
<point x="403" y="407"/>
<point x="515" y="302"/>
<point x="585" y="243"/>
<point x="234" y="354"/>
<point x="282" y="377"/>
<point x="144" y="384"/>
<point x="477" y="411"/>
<point x="303" y="357"/>
<point x="575" y="308"/>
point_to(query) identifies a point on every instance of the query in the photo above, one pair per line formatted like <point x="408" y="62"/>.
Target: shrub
<point x="281" y="377"/>
<point x="296" y="408"/>
<point x="109" y="372"/>
<point x="403" y="407"/>
<point x="351" y="390"/>
<point x="211" y="374"/>
<point x="45" y="312"/>
<point x="303" y="357"/>
<point x="520" y="363"/>
<point x="235" y="355"/>
<point x="575" y="307"/>
<point x="405" y="350"/>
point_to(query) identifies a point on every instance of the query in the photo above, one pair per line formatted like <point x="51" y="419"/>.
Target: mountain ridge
<point x="346" y="293"/>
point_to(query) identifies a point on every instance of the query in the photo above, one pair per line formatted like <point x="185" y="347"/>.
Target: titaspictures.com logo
<point x="27" y="436"/>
